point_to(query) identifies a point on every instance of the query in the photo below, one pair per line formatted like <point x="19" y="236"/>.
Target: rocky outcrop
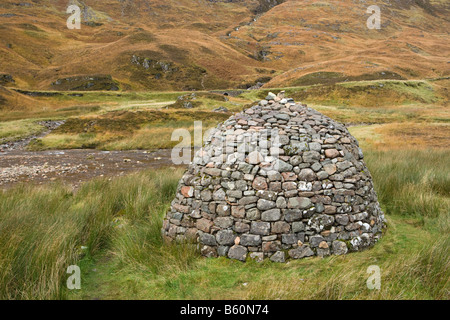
<point x="86" y="83"/>
<point x="6" y="79"/>
<point x="280" y="181"/>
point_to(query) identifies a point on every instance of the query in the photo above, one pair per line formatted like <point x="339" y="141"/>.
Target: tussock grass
<point x="411" y="183"/>
<point x="43" y="229"/>
<point x="403" y="135"/>
<point x="16" y="130"/>
<point x="413" y="255"/>
<point x="125" y="130"/>
<point x="119" y="221"/>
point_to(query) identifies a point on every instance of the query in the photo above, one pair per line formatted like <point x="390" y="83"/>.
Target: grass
<point x="412" y="188"/>
<point x="413" y="254"/>
<point x="144" y="138"/>
<point x="377" y="93"/>
<point x="126" y="120"/>
<point x="126" y="129"/>
<point x="44" y="229"/>
<point x="111" y="229"/>
<point x="402" y="126"/>
<point x="16" y="130"/>
<point x="403" y="135"/>
<point x="119" y="222"/>
<point x="193" y="40"/>
<point x="78" y="103"/>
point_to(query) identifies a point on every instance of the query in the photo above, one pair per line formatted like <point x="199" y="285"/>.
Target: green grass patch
<point x="415" y="183"/>
<point x="42" y="230"/>
<point x="125" y="129"/>
<point x="324" y="77"/>
<point x="372" y="94"/>
<point x="19" y="129"/>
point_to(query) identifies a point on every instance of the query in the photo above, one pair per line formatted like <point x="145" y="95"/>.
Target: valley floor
<point x="110" y="227"/>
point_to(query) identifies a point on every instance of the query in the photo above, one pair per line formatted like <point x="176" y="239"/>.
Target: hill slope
<point x="184" y="44"/>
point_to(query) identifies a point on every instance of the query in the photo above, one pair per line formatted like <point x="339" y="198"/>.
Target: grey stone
<point x="241" y="227"/>
<point x="295" y="160"/>
<point x="206" y="195"/>
<point x="261" y="228"/>
<point x="245" y="167"/>
<point x="208" y="239"/>
<point x="283" y="116"/>
<point x="307" y="175"/>
<point x="291" y="215"/>
<point x="299" y="202"/>
<point x="223" y="209"/>
<point x="342" y="219"/>
<point x="234" y="194"/>
<point x="257" y="256"/>
<point x="265" y="204"/>
<point x="316" y="166"/>
<point x="223" y="222"/>
<point x="219" y="195"/>
<point x="271" y="246"/>
<point x="281" y="227"/>
<point x="314" y="241"/>
<point x="301" y="252"/>
<point x="278" y="256"/>
<point x="270" y="238"/>
<point x="301" y="236"/>
<point x="298" y="227"/>
<point x="322" y="175"/>
<point x="225" y="237"/>
<point x="209" y="252"/>
<point x="250" y="240"/>
<point x="222" y="250"/>
<point x="267" y="195"/>
<point x="274" y="176"/>
<point x="238" y="211"/>
<point x="289" y="238"/>
<point x="339" y="247"/>
<point x="315" y="146"/>
<point x="253" y="214"/>
<point x="311" y="156"/>
<point x="282" y="166"/>
<point x="241" y="185"/>
<point x="271" y="215"/>
<point x="248" y="200"/>
<point x="323" y="252"/>
<point x="238" y="252"/>
<point x="213" y="172"/>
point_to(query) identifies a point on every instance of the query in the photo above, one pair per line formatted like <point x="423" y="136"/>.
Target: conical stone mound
<point x="279" y="180"/>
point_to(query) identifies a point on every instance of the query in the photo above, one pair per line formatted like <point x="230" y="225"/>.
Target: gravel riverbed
<point x="75" y="166"/>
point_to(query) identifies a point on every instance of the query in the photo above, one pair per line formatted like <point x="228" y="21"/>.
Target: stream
<point x="75" y="166"/>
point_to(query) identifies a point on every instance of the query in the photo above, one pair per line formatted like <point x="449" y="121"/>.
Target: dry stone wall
<point x="279" y="180"/>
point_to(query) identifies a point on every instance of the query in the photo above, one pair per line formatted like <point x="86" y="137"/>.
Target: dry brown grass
<point x="302" y="37"/>
<point x="403" y="135"/>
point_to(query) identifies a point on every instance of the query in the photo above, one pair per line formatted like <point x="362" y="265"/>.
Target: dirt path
<point x="75" y="166"/>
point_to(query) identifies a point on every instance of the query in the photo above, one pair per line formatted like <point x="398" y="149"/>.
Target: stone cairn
<point x="279" y="180"/>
